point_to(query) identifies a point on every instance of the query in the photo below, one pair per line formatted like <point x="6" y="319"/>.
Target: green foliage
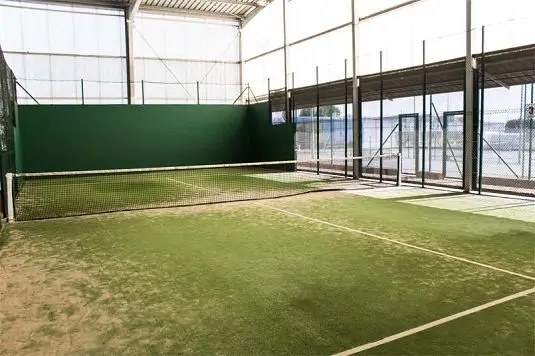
<point x="325" y="111"/>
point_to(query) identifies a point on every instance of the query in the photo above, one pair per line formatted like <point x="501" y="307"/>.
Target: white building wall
<point x="52" y="48"/>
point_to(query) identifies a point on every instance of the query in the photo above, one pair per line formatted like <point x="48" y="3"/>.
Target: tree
<point x="325" y="111"/>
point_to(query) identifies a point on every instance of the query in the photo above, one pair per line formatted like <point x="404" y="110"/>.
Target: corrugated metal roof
<point x="238" y="10"/>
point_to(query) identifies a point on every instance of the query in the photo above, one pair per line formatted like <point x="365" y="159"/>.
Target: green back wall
<point x="77" y="137"/>
<point x="269" y="142"/>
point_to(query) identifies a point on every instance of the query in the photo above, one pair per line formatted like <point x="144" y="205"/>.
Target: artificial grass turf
<point x="503" y="243"/>
<point x="248" y="280"/>
<point x="506" y="329"/>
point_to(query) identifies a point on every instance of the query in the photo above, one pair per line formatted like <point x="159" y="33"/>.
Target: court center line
<point x="435" y="323"/>
<point x="360" y="232"/>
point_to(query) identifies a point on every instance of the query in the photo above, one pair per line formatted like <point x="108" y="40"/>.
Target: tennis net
<point x="61" y="194"/>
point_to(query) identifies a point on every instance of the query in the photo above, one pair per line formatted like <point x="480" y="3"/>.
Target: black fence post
<point x="482" y="111"/>
<point x="424" y="121"/>
<point x="381" y="117"/>
<point x="198" y="93"/>
<point x="318" y="119"/>
<point x="530" y="164"/>
<point x="345" y="117"/>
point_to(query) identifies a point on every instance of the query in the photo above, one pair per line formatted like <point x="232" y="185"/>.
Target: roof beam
<point x="250" y="16"/>
<point x="233" y="2"/>
<point x="496" y="80"/>
<point x="133" y="8"/>
<point x="189" y="13"/>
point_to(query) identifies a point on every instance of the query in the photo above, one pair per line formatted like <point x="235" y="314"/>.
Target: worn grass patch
<point x="242" y="279"/>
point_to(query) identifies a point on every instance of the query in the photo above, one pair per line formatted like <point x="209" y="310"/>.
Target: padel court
<point x="321" y="273"/>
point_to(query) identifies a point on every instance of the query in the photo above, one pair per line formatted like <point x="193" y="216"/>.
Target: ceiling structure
<point x="241" y="11"/>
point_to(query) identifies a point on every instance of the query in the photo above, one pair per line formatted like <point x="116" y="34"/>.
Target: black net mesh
<point x="53" y="195"/>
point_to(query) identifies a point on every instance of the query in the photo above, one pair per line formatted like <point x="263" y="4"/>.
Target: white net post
<point x="10" y="202"/>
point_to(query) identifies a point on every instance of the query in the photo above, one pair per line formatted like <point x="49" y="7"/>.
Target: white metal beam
<point x="133" y="8"/>
<point x="189" y="13"/>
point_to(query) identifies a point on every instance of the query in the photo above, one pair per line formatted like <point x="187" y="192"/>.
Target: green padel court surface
<point x="244" y="279"/>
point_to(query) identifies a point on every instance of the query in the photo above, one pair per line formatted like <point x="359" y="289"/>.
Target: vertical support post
<point x="198" y="93"/>
<point x="468" y="104"/>
<point x="482" y="113"/>
<point x="129" y="35"/>
<point x="523" y="128"/>
<point x="381" y="117"/>
<point x="398" y="177"/>
<point x="357" y="137"/>
<point x="248" y="94"/>
<point x="10" y="196"/>
<point x="318" y="118"/>
<point x="345" y="117"/>
<point x="416" y="143"/>
<point x="400" y="134"/>
<point x="530" y="158"/>
<point x="430" y="132"/>
<point x="445" y="146"/>
<point x="83" y="95"/>
<point x="240" y="54"/>
<point x="286" y="98"/>
<point x="143" y="92"/>
<point x="424" y="120"/>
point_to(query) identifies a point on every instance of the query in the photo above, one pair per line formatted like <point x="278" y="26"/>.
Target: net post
<point x="10" y="205"/>
<point x="398" y="178"/>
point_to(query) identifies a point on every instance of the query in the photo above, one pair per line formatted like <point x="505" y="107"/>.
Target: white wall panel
<point x="259" y="70"/>
<point x="306" y="18"/>
<point x="328" y="52"/>
<point x="264" y="32"/>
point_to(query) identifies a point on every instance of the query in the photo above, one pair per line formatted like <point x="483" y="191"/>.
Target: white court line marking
<point x="340" y="227"/>
<point x="435" y="323"/>
<point x="188" y="184"/>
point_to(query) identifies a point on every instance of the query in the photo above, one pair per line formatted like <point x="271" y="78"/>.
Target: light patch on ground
<point x="293" y="177"/>
<point x="40" y="311"/>
<point x="502" y="207"/>
<point x="389" y="192"/>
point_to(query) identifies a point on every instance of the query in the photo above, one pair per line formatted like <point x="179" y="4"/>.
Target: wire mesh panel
<point x="61" y="194"/>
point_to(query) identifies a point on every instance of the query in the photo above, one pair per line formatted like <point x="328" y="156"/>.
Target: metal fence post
<point x="83" y="98"/>
<point x="381" y="117"/>
<point x="143" y="92"/>
<point x="482" y="111"/>
<point x="424" y="123"/>
<point x="198" y="94"/>
<point x="318" y="118"/>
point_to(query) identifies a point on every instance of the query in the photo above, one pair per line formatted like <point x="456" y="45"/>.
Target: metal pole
<point x="83" y="98"/>
<point x="445" y="147"/>
<point x="284" y="25"/>
<point x="129" y="36"/>
<point x="318" y="118"/>
<point x="345" y="117"/>
<point x="430" y="131"/>
<point x="143" y="92"/>
<point x="357" y="137"/>
<point x="482" y="111"/>
<point x="424" y="128"/>
<point x="523" y="128"/>
<point x="198" y="93"/>
<point x="381" y="118"/>
<point x="530" y="164"/>
<point x="248" y="94"/>
<point x="468" y="103"/>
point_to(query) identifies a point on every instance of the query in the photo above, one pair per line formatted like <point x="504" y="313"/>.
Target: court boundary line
<point x="435" y="323"/>
<point x="368" y="234"/>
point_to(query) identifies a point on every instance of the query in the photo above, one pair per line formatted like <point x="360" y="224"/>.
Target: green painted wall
<point x="76" y="137"/>
<point x="269" y="142"/>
